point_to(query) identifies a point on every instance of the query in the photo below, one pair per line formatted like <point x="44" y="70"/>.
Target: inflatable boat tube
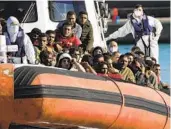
<point x="49" y="97"/>
<point x="6" y="95"/>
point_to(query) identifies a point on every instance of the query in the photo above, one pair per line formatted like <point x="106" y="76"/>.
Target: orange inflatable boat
<point x="50" y="98"/>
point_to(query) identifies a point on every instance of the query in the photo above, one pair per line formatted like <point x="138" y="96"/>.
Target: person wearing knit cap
<point x="16" y="38"/>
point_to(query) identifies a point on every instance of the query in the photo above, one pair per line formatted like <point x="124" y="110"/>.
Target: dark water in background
<point x="164" y="59"/>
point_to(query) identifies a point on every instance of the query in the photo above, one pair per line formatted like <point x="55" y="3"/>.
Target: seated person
<point x="51" y="41"/>
<point x="67" y="39"/>
<point x="156" y="70"/>
<point x="66" y="62"/>
<point x="151" y="80"/>
<point x="124" y="70"/>
<point x="102" y="69"/>
<point x="76" y="28"/>
<point x="42" y="45"/>
<point x="47" y="58"/>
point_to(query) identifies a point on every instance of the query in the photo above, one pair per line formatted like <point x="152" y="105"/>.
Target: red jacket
<point x="68" y="41"/>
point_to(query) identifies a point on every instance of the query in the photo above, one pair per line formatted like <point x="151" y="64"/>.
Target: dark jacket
<point x="87" y="35"/>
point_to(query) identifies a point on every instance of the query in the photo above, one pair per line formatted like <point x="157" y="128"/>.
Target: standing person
<point x="16" y="37"/>
<point x="76" y="28"/>
<point x="87" y="31"/>
<point x="141" y="27"/>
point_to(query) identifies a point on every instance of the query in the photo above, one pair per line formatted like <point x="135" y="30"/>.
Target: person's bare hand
<point x="113" y="70"/>
<point x="85" y="64"/>
<point x="74" y="60"/>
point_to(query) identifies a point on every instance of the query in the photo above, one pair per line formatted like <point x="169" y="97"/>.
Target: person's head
<point x="65" y="61"/>
<point x="113" y="46"/>
<point x="154" y="60"/>
<point x="130" y="57"/>
<point x="98" y="58"/>
<point x="13" y="27"/>
<point x="51" y="36"/>
<point x="138" y="62"/>
<point x="74" y="52"/>
<point x="102" y="68"/>
<point x="156" y="69"/>
<point x="115" y="57"/>
<point x="134" y="49"/>
<point x="149" y="62"/>
<point x="71" y="17"/>
<point x="35" y="33"/>
<point x="67" y="29"/>
<point x="43" y="40"/>
<point x="138" y="11"/>
<point x="47" y="58"/>
<point x="96" y="51"/>
<point x="83" y="17"/>
<point x="123" y="61"/>
<point x="140" y="54"/>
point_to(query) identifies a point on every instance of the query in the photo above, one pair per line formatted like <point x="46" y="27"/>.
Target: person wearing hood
<point x="112" y="47"/>
<point x="19" y="42"/>
<point x="67" y="62"/>
<point x="141" y="26"/>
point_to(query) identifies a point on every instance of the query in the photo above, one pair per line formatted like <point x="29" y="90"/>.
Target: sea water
<point x="164" y="59"/>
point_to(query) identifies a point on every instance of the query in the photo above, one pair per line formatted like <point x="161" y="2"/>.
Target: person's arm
<point x="29" y="49"/>
<point x="79" y="31"/>
<point x="121" y="32"/>
<point x="87" y="66"/>
<point x="78" y="66"/>
<point x="131" y="77"/>
<point x="90" y="39"/>
<point x="157" y="24"/>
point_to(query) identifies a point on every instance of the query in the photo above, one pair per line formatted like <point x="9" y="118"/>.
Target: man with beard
<point x="47" y="58"/>
<point x="124" y="70"/>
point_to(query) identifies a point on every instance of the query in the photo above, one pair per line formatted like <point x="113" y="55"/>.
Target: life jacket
<point x="142" y="28"/>
<point x="19" y="42"/>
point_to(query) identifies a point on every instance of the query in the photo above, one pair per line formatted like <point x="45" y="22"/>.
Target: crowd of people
<point x="70" y="46"/>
